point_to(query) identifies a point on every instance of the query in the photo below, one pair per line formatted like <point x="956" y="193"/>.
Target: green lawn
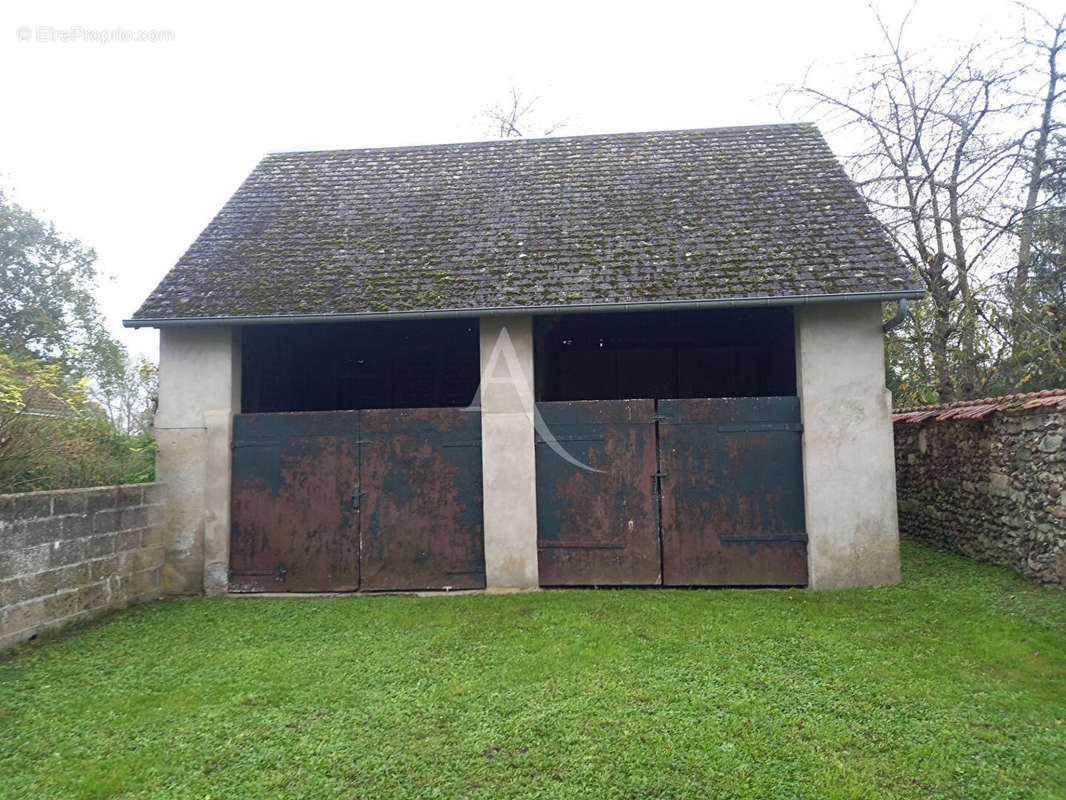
<point x="952" y="685"/>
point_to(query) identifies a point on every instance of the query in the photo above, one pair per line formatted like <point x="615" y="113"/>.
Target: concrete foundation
<point x="848" y="460"/>
<point x="507" y="453"/>
<point x="199" y="391"/>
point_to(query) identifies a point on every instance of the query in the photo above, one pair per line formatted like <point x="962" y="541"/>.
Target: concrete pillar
<point x="218" y="424"/>
<point x="199" y="392"/>
<point x="848" y="460"/>
<point x="507" y="453"/>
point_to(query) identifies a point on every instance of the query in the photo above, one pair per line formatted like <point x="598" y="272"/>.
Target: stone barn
<point x="650" y="359"/>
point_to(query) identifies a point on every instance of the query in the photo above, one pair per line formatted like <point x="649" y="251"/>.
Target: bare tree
<point x="935" y="150"/>
<point x="516" y="118"/>
<point x="127" y="397"/>
<point x="1050" y="47"/>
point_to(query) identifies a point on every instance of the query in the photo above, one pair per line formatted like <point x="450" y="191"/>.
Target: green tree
<point x="47" y="308"/>
<point x="56" y="354"/>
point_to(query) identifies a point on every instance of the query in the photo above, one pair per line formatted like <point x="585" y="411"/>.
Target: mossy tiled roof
<point x="715" y="214"/>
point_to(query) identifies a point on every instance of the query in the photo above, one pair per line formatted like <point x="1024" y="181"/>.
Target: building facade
<point x="637" y="359"/>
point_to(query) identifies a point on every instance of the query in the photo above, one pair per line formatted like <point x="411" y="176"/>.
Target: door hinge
<point x="760" y="538"/>
<point x="554" y="544"/>
<point x="761" y="427"/>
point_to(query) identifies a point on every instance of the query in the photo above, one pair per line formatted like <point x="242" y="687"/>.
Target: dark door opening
<point x="343" y="366"/>
<point x="665" y="355"/>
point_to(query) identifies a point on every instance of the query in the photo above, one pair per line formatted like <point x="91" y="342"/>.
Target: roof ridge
<point x="517" y="141"/>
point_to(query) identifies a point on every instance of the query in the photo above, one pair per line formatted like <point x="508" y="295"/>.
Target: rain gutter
<point x="580" y="308"/>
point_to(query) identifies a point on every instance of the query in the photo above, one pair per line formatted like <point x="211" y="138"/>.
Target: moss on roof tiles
<point x="683" y="215"/>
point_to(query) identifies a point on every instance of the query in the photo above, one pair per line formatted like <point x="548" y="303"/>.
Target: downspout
<point x="896" y="321"/>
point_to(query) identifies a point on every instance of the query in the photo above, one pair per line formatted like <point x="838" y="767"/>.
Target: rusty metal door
<point x="598" y="527"/>
<point x="732" y="492"/>
<point x="375" y="500"/>
<point x="294" y="526"/>
<point x="420" y="511"/>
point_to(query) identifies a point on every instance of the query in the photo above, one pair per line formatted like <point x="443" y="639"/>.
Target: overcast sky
<point x="132" y="146"/>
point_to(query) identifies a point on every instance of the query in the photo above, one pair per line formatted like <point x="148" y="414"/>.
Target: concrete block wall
<point x="72" y="554"/>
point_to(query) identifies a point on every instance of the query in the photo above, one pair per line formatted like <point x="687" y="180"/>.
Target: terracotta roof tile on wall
<point x="975" y="409"/>
<point x="685" y="215"/>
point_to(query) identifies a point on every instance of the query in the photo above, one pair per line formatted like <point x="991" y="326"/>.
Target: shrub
<point x="50" y="439"/>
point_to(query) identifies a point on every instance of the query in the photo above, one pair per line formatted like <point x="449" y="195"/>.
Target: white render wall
<point x="849" y="471"/>
<point x="507" y="454"/>
<point x="199" y="392"/>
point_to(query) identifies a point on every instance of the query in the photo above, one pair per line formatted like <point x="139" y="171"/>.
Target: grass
<point x="952" y="685"/>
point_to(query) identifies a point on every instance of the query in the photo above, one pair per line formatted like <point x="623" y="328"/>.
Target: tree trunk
<point x="1020" y="290"/>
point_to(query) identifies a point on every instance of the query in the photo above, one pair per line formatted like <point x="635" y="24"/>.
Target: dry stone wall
<point x="990" y="488"/>
<point x="73" y="554"/>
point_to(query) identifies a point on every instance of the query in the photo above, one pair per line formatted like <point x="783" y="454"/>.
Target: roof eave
<point x="577" y="308"/>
